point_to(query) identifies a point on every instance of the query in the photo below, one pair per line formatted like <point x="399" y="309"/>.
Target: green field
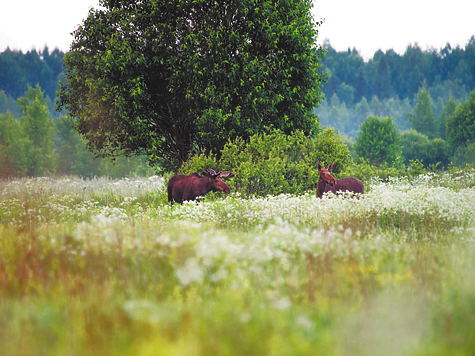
<point x="107" y="267"/>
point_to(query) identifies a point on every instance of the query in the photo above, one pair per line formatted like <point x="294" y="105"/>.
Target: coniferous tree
<point x="383" y="80"/>
<point x="423" y="120"/>
<point x="38" y="127"/>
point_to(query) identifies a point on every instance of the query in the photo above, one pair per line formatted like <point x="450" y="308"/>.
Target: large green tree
<point x="168" y="78"/>
<point x="378" y="140"/>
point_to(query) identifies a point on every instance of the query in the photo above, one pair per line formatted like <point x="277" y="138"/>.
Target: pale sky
<point x="367" y="25"/>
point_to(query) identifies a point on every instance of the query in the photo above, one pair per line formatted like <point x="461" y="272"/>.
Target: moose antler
<point x="209" y="173"/>
<point x="225" y="175"/>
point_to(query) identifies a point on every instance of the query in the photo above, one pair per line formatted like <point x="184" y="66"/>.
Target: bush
<point x="465" y="154"/>
<point x="418" y="146"/>
<point x="273" y="163"/>
<point x="378" y="140"/>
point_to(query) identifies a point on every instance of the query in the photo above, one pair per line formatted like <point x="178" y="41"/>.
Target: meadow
<point x="107" y="267"/>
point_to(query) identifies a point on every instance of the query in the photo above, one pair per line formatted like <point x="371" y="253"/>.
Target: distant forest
<point x="19" y="70"/>
<point x="424" y="100"/>
<point x="386" y="85"/>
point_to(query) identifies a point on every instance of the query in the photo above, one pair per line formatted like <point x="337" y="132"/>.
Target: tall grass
<point x="107" y="267"/>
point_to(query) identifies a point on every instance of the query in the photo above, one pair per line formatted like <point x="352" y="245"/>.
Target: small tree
<point x="461" y="125"/>
<point x="13" y="147"/>
<point x="378" y="140"/>
<point x="423" y="119"/>
<point x="38" y="127"/>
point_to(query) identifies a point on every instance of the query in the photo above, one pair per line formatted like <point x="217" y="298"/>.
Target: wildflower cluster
<point x="116" y="258"/>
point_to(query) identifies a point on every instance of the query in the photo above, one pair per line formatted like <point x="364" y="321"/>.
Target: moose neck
<point x="321" y="187"/>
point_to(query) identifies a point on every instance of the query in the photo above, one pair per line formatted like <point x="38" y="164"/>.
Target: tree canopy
<point x="168" y="78"/>
<point x="378" y="140"/>
<point x="423" y="119"/>
<point x="461" y="125"/>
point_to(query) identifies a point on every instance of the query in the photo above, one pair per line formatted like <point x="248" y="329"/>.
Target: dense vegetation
<point x="36" y="144"/>
<point x="170" y="78"/>
<point x="434" y="110"/>
<point x="106" y="267"/>
<point x="36" y="67"/>
<point x="100" y="266"/>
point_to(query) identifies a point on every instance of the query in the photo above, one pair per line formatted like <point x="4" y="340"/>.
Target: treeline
<point x="36" y="144"/>
<point x="389" y="83"/>
<point x="424" y="93"/>
<point x="19" y="70"/>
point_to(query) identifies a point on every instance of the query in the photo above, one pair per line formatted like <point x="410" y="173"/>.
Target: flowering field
<point x="107" y="267"/>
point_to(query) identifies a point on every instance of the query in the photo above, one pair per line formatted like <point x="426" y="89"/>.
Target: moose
<point x="327" y="183"/>
<point x="182" y="187"/>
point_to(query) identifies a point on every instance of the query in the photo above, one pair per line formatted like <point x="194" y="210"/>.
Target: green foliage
<point x="35" y="145"/>
<point x="446" y="73"/>
<point x="8" y="105"/>
<point x="416" y="168"/>
<point x="461" y="126"/>
<point x="447" y="111"/>
<point x="198" y="162"/>
<point x="74" y="157"/>
<point x="418" y="146"/>
<point x="19" y="70"/>
<point x="465" y="155"/>
<point x="378" y="140"/>
<point x="366" y="172"/>
<point x="36" y="128"/>
<point x="171" y="78"/>
<point x="347" y="120"/>
<point x="14" y="147"/>
<point x="423" y="119"/>
<point x="395" y="81"/>
<point x="273" y="163"/>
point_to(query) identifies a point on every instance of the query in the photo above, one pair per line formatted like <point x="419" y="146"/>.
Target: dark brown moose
<point x="327" y="183"/>
<point x="182" y="187"/>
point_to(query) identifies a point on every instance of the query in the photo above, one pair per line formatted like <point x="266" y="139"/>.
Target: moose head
<point x="325" y="175"/>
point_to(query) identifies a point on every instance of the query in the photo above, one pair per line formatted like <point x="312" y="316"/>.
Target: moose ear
<point x="319" y="166"/>
<point x="330" y="167"/>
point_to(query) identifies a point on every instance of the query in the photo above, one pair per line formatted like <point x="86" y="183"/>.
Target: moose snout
<point x="227" y="190"/>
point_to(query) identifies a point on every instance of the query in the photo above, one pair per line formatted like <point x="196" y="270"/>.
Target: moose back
<point x="327" y="183"/>
<point x="183" y="187"/>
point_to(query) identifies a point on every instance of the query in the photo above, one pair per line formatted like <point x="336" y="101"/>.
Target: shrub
<point x="418" y="146"/>
<point x="273" y="163"/>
